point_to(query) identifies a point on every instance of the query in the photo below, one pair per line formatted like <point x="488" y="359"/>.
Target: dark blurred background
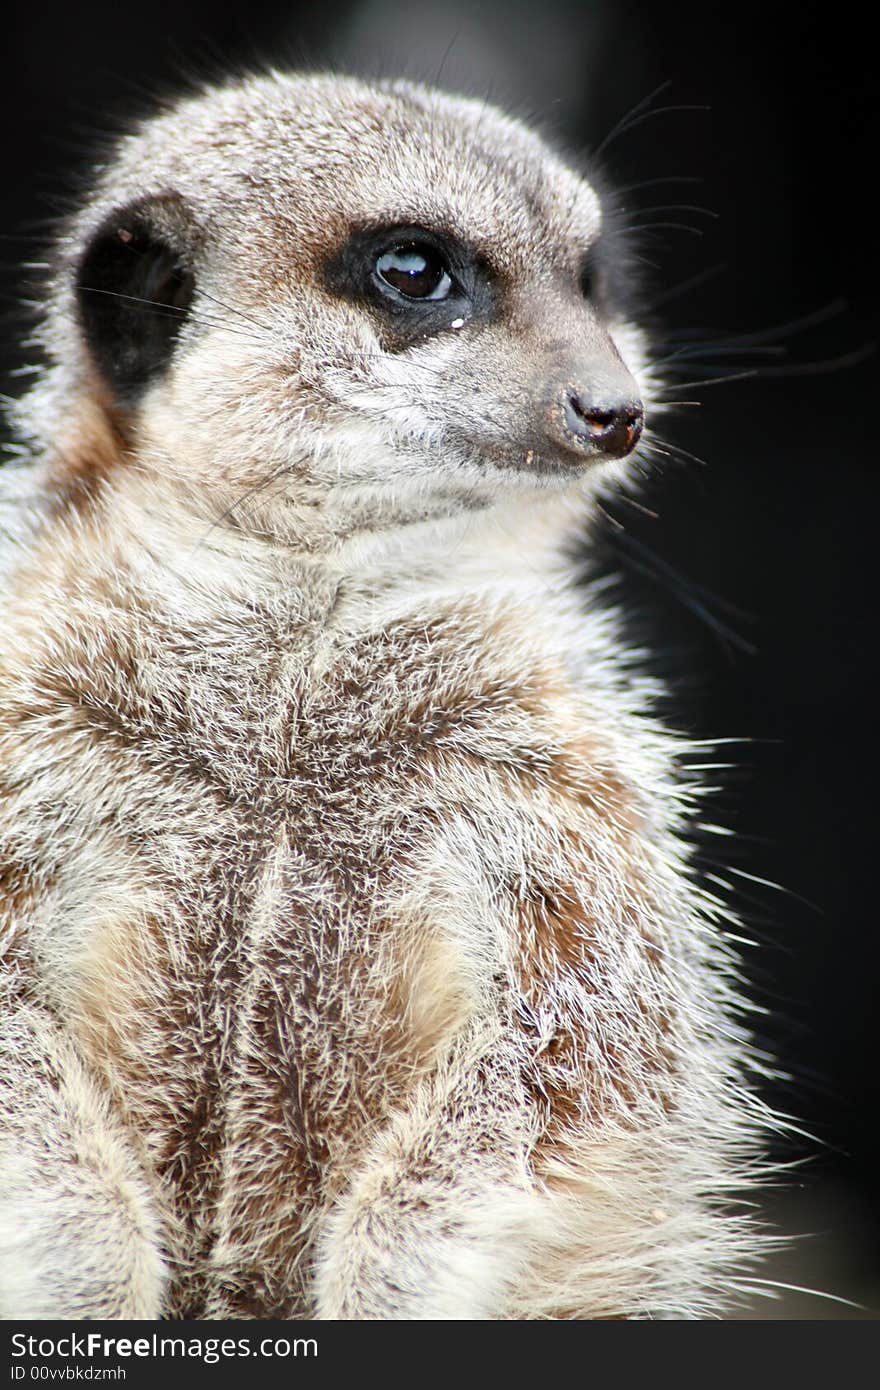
<point x="754" y="578"/>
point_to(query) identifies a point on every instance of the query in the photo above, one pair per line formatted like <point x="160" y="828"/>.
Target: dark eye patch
<point x="588" y="276"/>
<point x="417" y="281"/>
<point x="596" y="277"/>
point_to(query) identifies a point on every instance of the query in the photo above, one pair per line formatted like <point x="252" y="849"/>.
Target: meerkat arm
<point x="432" y="1224"/>
<point x="78" y="1236"/>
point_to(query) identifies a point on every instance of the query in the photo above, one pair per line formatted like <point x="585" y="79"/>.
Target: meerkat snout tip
<point x="610" y="428"/>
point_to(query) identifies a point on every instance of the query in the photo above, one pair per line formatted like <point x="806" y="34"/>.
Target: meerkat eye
<point x="587" y="276"/>
<point x="414" y="270"/>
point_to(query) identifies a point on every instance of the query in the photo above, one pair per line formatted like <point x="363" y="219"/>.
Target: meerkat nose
<point x="613" y="427"/>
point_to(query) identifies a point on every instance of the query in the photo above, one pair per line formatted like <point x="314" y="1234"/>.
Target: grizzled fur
<point x="353" y="966"/>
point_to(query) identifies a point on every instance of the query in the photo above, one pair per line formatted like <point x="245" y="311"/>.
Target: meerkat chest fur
<point x="344" y="859"/>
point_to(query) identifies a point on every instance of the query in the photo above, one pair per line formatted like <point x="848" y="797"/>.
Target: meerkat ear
<point x="134" y="288"/>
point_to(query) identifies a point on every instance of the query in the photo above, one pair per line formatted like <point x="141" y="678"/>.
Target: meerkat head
<point x="374" y="302"/>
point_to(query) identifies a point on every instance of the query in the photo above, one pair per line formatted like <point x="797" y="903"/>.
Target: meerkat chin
<point x="354" y="963"/>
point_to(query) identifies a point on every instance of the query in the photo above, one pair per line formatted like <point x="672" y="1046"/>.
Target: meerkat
<point x="354" y="961"/>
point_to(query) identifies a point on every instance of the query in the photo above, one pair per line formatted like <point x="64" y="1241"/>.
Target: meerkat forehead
<point x="294" y="161"/>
